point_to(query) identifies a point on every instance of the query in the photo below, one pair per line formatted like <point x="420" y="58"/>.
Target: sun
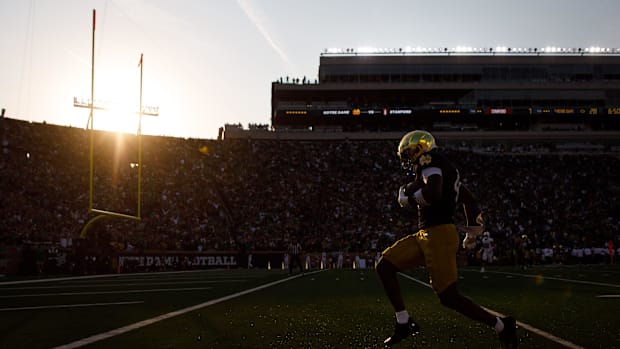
<point x="115" y="105"/>
<point x="117" y="99"/>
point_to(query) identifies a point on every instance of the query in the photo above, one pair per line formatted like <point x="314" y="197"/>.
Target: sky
<point x="207" y="63"/>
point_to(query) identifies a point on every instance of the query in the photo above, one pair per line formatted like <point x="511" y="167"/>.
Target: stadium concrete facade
<point x="445" y="90"/>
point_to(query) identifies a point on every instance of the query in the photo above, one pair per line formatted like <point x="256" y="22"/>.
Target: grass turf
<point x="328" y="309"/>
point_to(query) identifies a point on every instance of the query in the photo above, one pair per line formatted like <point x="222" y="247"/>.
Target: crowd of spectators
<point x="255" y="195"/>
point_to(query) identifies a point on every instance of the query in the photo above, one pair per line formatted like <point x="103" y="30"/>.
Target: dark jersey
<point x="441" y="212"/>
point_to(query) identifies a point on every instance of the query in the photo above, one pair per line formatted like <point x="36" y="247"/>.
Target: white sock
<point x="499" y="325"/>
<point x="402" y="317"/>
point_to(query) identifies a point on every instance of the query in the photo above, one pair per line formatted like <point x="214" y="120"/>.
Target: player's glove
<point x="403" y="199"/>
<point x="472" y="232"/>
<point x="469" y="242"/>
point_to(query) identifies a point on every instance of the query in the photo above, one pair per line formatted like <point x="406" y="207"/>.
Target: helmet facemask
<point x="409" y="156"/>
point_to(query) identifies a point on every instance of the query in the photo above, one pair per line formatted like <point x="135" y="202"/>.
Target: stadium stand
<point x="245" y="194"/>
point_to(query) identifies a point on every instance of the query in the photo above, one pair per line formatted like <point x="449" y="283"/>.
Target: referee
<point x="294" y="251"/>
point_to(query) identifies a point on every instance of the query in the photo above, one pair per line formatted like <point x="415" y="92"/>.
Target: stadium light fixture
<point x="84" y="102"/>
<point x="461" y="49"/>
<point x="366" y="49"/>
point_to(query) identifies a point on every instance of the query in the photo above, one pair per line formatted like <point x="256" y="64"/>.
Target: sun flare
<point x="118" y="104"/>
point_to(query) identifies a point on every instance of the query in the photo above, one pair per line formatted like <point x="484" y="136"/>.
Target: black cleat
<point x="402" y="331"/>
<point x="508" y="336"/>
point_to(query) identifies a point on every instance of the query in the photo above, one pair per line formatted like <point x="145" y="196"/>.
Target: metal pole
<point x="140" y="140"/>
<point x="91" y="117"/>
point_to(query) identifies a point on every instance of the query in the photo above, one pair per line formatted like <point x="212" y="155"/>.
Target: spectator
<point x="196" y="193"/>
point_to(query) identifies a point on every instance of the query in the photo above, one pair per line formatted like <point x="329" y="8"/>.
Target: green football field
<point x="555" y="306"/>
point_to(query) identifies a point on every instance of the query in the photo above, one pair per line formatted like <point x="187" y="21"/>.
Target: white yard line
<point x="147" y="322"/>
<point x="530" y="328"/>
<point x="71" y="306"/>
<point x="86" y="277"/>
<point x="533" y="276"/>
<point x="37" y="281"/>
<point x="120" y="283"/>
<point x="106" y="292"/>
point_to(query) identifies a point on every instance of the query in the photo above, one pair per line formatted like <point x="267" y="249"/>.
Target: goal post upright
<point x="100" y="214"/>
<point x="91" y="116"/>
<point x="140" y="139"/>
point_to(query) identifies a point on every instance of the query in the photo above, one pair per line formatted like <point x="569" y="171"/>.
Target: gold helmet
<point x="414" y="144"/>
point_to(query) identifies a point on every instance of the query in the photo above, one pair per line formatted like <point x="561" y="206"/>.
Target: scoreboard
<point x="398" y="118"/>
<point x="399" y="111"/>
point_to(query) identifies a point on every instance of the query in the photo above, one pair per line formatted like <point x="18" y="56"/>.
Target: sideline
<point x="106" y="292"/>
<point x="121" y="330"/>
<point x="71" y="306"/>
<point x="523" y="325"/>
<point x="99" y="276"/>
<point x="122" y="284"/>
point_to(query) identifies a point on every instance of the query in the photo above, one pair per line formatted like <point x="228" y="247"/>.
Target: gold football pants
<point x="434" y="247"/>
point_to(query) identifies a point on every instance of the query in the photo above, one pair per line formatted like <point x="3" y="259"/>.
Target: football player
<point x="436" y="192"/>
<point x="486" y="251"/>
<point x="294" y="250"/>
<point x="525" y="254"/>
